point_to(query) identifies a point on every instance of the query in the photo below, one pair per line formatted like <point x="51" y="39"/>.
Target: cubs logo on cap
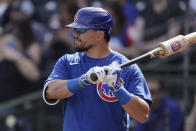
<point x="105" y="93"/>
<point x="175" y="46"/>
<point x="76" y="17"/>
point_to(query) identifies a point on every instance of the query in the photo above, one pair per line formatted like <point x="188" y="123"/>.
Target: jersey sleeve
<point x="60" y="71"/>
<point x="137" y="84"/>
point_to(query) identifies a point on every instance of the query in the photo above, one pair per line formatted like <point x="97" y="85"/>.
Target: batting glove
<point x="113" y="76"/>
<point x="85" y="79"/>
<point x="100" y="73"/>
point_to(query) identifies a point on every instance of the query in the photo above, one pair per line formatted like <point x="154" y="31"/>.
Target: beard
<point x="81" y="45"/>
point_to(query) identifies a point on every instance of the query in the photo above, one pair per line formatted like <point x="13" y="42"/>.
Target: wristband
<point x="123" y="96"/>
<point x="74" y="85"/>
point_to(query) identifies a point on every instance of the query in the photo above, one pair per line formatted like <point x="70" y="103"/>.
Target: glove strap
<point x="123" y="95"/>
<point x="83" y="81"/>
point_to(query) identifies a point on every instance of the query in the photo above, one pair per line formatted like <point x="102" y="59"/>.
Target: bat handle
<point x="93" y="77"/>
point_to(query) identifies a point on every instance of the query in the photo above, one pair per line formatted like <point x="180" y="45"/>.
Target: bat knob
<point x="93" y="77"/>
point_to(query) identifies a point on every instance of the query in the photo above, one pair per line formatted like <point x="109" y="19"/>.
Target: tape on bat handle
<point x="159" y="51"/>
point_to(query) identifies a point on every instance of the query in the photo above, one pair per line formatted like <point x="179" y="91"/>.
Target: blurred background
<point x="33" y="37"/>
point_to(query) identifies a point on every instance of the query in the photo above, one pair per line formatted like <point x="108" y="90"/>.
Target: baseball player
<point x="104" y="104"/>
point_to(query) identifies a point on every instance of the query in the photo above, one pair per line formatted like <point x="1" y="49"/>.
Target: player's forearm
<point x="57" y="89"/>
<point x="137" y="108"/>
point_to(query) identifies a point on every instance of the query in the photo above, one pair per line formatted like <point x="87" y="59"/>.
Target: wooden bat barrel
<point x="177" y="44"/>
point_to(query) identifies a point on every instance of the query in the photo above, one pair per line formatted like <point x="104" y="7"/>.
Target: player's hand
<point x="111" y="68"/>
<point x="113" y="76"/>
<point x="114" y="81"/>
<point x="100" y="73"/>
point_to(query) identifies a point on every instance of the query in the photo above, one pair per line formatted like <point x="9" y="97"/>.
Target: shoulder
<point x="123" y="59"/>
<point x="119" y="57"/>
<point x="74" y="58"/>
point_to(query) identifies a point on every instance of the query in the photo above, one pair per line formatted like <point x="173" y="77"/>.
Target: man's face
<point x="84" y="39"/>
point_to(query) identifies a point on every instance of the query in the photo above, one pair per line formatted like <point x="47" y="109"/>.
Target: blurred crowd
<point x="33" y="36"/>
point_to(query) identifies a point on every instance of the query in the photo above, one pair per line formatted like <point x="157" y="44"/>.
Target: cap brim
<point x="76" y="25"/>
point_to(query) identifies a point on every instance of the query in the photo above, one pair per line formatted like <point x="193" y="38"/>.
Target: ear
<point x="100" y="35"/>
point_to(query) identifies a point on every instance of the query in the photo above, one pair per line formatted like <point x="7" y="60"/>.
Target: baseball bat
<point x="164" y="49"/>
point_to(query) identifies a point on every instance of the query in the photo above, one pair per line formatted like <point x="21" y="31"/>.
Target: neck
<point x="100" y="50"/>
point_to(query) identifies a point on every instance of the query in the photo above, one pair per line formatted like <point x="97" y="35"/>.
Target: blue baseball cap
<point x="93" y="18"/>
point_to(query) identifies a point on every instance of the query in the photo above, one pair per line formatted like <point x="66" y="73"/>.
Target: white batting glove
<point x="100" y="73"/>
<point x="112" y="67"/>
<point x="113" y="76"/>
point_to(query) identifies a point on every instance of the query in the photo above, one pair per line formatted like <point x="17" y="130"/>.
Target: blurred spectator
<point x="191" y="119"/>
<point x="62" y="38"/>
<point x="5" y="6"/>
<point x="165" y="114"/>
<point x="129" y="10"/>
<point x="192" y="4"/>
<point x="46" y="8"/>
<point x="159" y="20"/>
<point x="15" y="123"/>
<point x="120" y="40"/>
<point x="93" y="3"/>
<point x="24" y="10"/>
<point x="19" y="61"/>
<point x="66" y="15"/>
<point x="191" y="22"/>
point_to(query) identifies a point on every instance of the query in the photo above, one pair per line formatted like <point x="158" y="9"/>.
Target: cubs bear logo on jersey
<point x="105" y="93"/>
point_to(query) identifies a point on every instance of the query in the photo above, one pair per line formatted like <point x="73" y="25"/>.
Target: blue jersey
<point x="95" y="108"/>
